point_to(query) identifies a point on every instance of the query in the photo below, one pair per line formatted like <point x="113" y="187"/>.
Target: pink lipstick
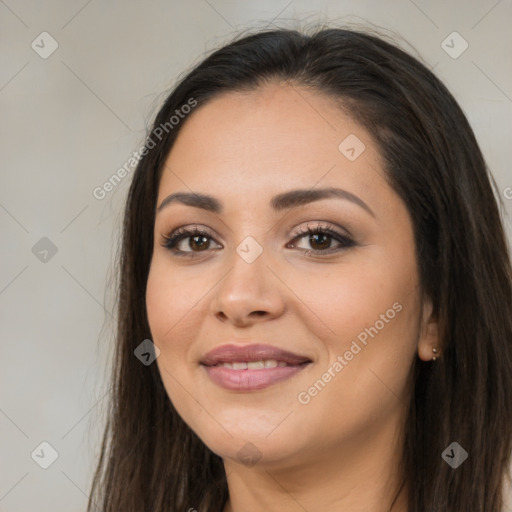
<point x="251" y="367"/>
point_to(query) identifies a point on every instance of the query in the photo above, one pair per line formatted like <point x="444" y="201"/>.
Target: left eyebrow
<point x="283" y="201"/>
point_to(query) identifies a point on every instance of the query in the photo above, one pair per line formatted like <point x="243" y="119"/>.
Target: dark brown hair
<point x="152" y="461"/>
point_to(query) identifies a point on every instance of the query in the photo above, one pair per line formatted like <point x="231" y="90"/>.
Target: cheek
<point x="363" y="382"/>
<point x="172" y="303"/>
<point x="376" y="361"/>
<point x="171" y="311"/>
<point x="338" y="302"/>
<point x="177" y="304"/>
<point x="366" y="320"/>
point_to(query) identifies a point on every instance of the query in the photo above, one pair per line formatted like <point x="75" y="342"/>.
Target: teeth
<point x="254" y="365"/>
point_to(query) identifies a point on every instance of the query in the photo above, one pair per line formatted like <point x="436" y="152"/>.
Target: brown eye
<point x="320" y="239"/>
<point x="198" y="241"/>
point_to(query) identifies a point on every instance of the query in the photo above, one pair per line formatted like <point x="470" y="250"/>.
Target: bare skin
<point x="337" y="448"/>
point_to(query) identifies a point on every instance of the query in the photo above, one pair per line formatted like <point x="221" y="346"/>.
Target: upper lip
<point x="231" y="353"/>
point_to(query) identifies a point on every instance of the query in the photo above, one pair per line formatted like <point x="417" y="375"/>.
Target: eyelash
<point x="179" y="234"/>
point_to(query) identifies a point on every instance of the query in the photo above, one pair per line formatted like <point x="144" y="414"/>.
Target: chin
<point x="250" y="443"/>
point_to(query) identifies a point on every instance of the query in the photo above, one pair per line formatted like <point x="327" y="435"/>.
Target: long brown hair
<point x="152" y="461"/>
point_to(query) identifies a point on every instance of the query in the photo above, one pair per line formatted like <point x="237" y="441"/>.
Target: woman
<point x="312" y="244"/>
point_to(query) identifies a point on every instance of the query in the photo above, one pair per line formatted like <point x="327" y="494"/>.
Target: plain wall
<point x="70" y="120"/>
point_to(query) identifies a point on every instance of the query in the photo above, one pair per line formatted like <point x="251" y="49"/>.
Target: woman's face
<point x="344" y="302"/>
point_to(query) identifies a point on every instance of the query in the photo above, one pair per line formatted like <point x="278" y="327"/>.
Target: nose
<point x="248" y="293"/>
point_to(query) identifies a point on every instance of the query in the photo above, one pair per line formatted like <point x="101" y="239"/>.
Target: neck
<point x="359" y="475"/>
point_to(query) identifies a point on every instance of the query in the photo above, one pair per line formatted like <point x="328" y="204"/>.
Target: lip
<point x="251" y="380"/>
<point x="231" y="353"/>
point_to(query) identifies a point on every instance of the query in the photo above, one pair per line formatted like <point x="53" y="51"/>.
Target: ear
<point x="428" y="338"/>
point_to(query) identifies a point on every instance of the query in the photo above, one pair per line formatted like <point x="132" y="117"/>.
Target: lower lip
<point x="250" y="380"/>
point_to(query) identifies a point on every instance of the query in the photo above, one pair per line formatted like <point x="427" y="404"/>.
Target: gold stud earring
<point x="435" y="352"/>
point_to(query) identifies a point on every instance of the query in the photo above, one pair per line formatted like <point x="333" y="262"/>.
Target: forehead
<point x="261" y="142"/>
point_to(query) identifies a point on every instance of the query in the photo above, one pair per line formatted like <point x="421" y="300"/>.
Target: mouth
<point x="254" y="365"/>
<point x="251" y="367"/>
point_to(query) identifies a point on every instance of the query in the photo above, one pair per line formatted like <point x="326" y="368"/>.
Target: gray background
<point x="70" y="120"/>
